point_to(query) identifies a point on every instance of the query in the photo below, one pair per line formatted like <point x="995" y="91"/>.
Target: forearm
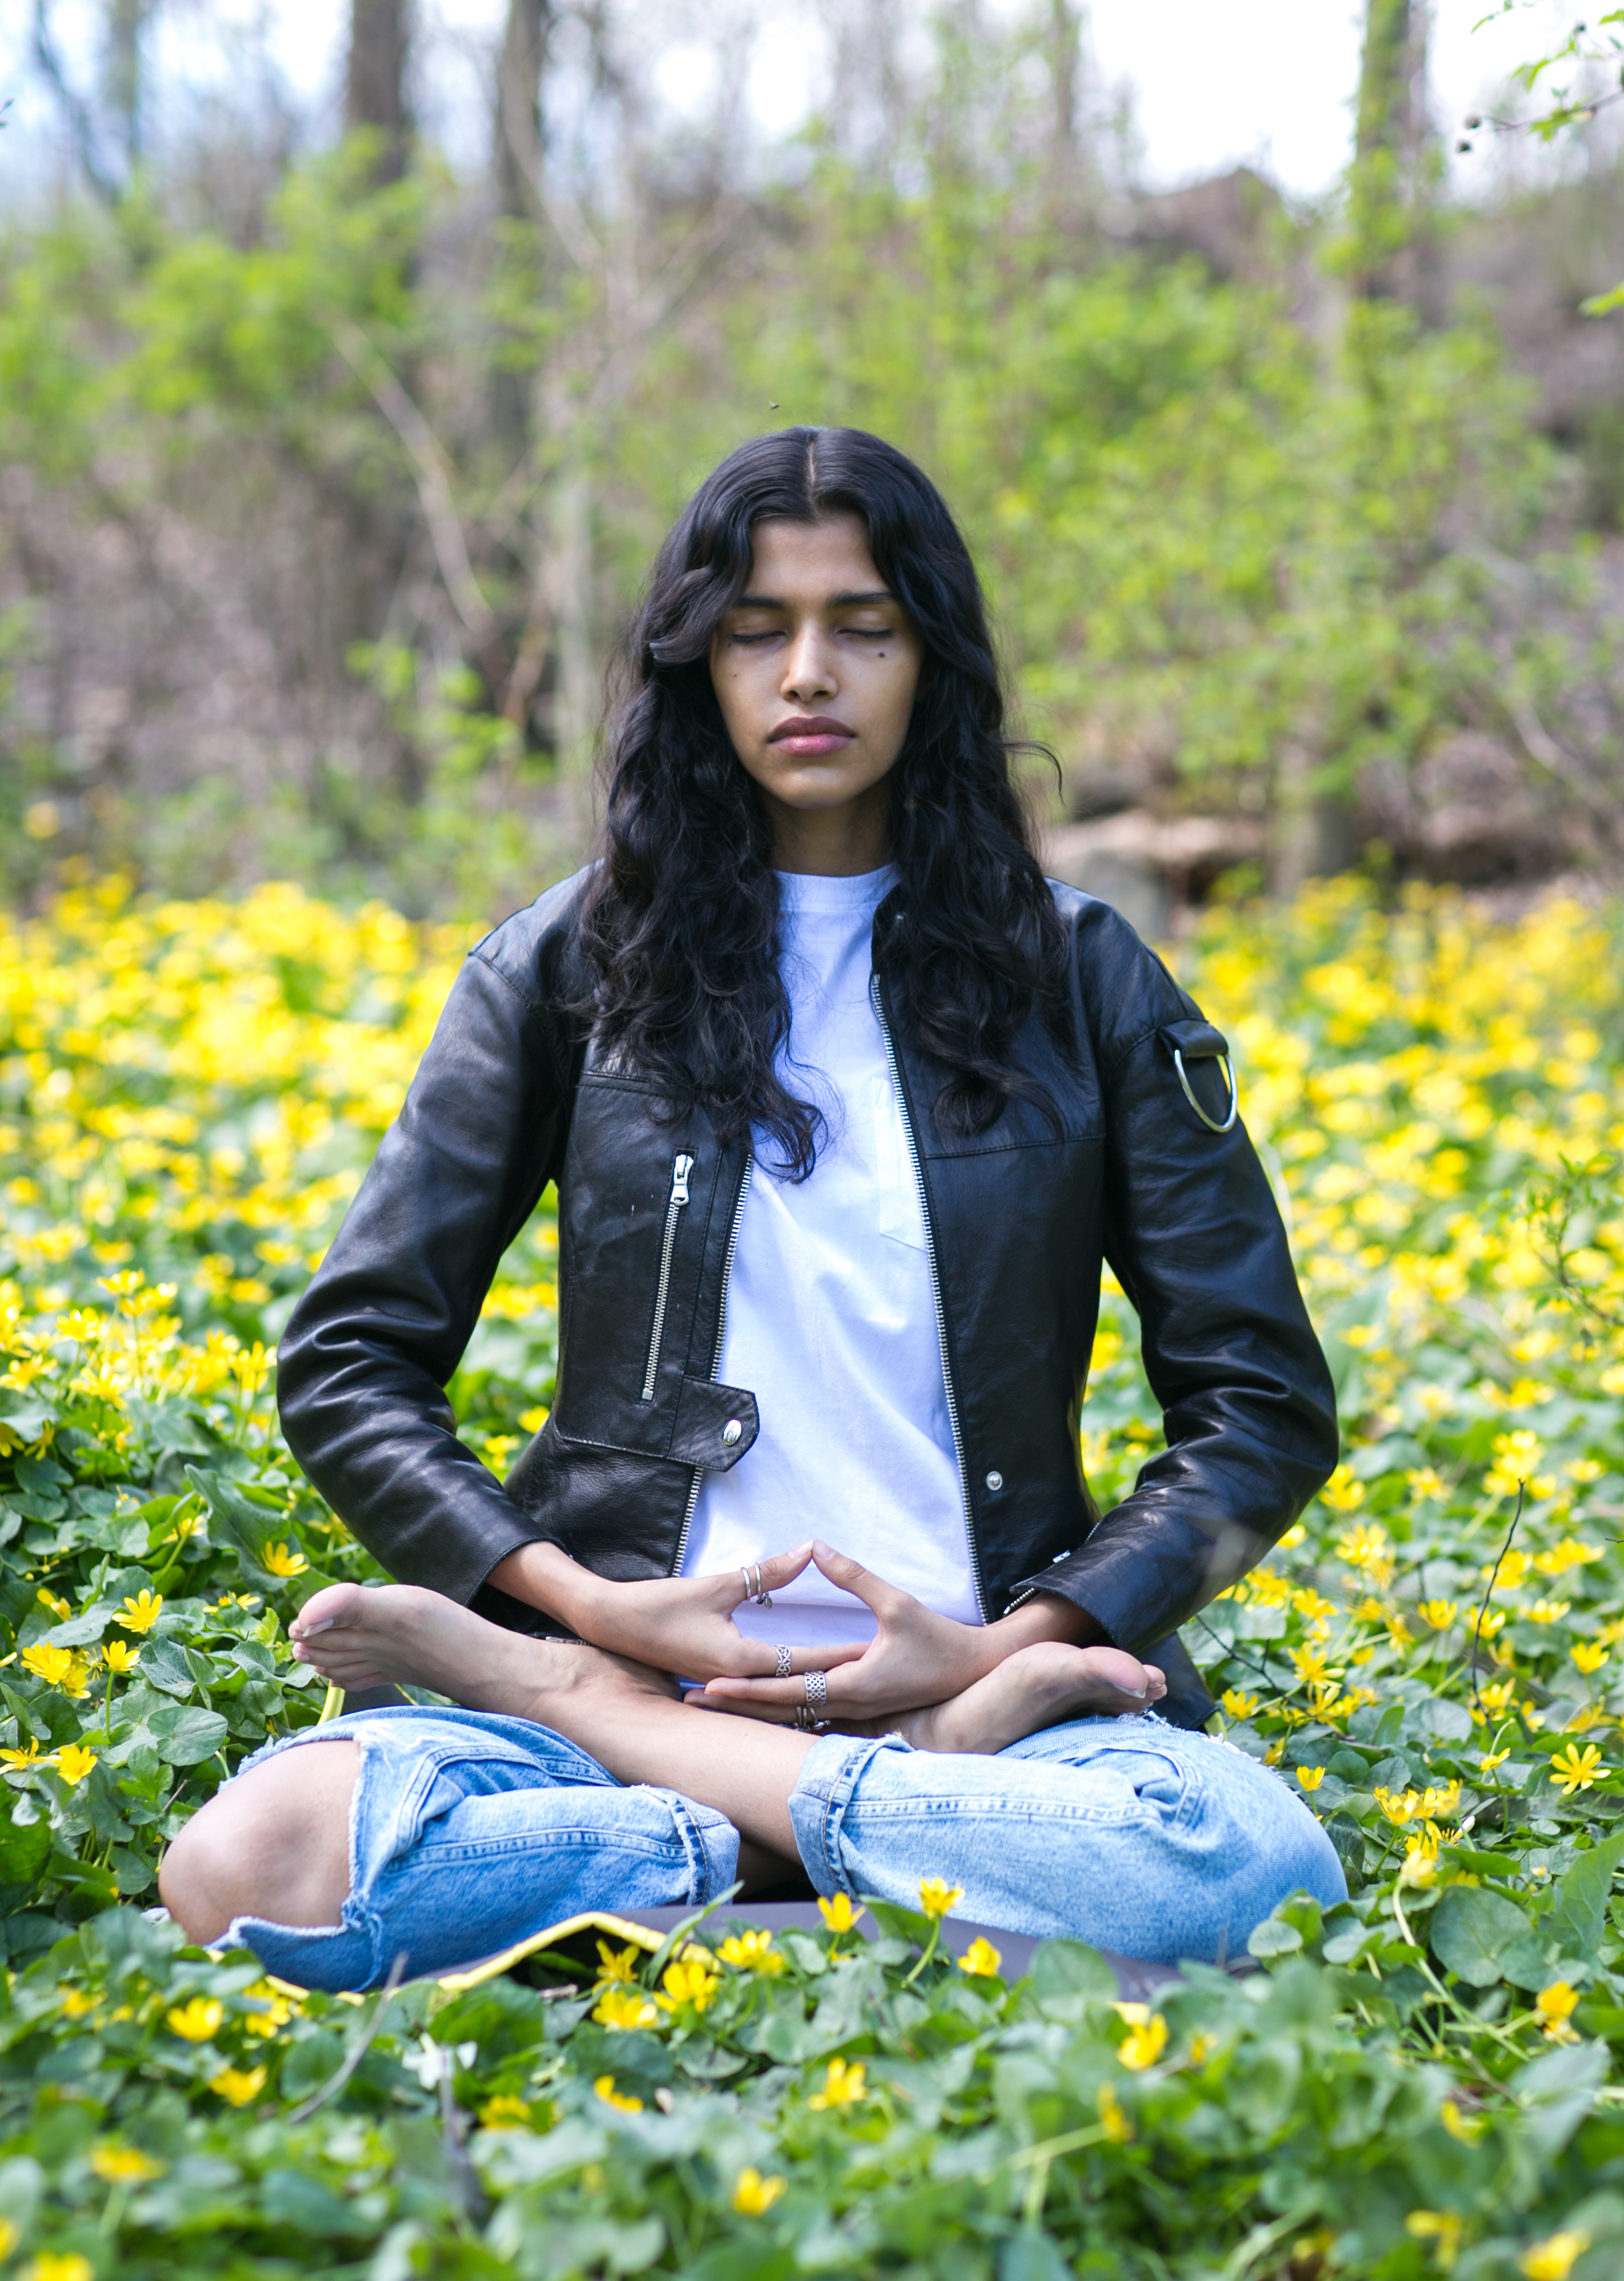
<point x="543" y="1576"/>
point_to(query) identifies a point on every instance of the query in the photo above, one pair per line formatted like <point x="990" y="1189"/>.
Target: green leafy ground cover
<point x="1424" y="2081"/>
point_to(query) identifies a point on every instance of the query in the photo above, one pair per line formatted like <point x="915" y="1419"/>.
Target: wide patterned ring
<point x="786" y="1657"/>
<point x="816" y="1689"/>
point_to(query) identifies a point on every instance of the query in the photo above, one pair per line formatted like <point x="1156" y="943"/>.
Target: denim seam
<point x="837" y="1801"/>
<point x="694" y="1846"/>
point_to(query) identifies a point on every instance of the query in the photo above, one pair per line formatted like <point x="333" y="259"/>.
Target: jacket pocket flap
<point x="715" y="1425"/>
<point x="1195" y="1040"/>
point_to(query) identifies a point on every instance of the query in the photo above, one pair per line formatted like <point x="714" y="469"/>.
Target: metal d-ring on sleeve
<point x="1234" y="1099"/>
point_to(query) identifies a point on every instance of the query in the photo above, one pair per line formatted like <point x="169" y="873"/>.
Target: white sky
<point x="1213" y="82"/>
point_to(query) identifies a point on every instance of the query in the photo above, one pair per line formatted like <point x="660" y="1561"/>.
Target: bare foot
<point x="1036" y="1686"/>
<point x="361" y="1635"/>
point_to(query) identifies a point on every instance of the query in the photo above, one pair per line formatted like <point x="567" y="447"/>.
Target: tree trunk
<point x="1390" y="152"/>
<point x="126" y="19"/>
<point x="376" y="83"/>
<point x="517" y="159"/>
<point x="517" y="128"/>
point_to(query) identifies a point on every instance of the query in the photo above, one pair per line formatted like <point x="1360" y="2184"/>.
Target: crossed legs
<point x="274" y="1844"/>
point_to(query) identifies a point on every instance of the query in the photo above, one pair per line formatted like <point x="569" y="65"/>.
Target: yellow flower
<point x="1439" y="1614"/>
<point x="1547" y="1612"/>
<point x="1342" y="1492"/>
<point x="624" y="2007"/>
<point x="753" y="2195"/>
<point x="1554" y="2258"/>
<point x="1467" y="2129"/>
<point x="502" y="2112"/>
<point x="51" y="1664"/>
<point x="1576" y="1769"/>
<point x="981" y="1960"/>
<point x="1588" y="1657"/>
<point x="1496" y="1698"/>
<point x="1237" y="1704"/>
<point x="122" y="2166"/>
<point x="604" y="2085"/>
<point x="59" y="1608"/>
<point x="1309" y="1663"/>
<point x="1146" y="2037"/>
<point x="74" y="1762"/>
<point x="1490" y="1760"/>
<point x="282" y="1560"/>
<point x="197" y="2019"/>
<point x="1114" y="2119"/>
<point x="752" y="1952"/>
<point x="58" y="2265"/>
<point x="141" y="1614"/>
<point x="1310" y="1777"/>
<point x="278" y="2010"/>
<point x="937" y="1896"/>
<point x="618" y="1963"/>
<point x="688" y="1980"/>
<point x="1555" y="2006"/>
<point x="77" y="2002"/>
<point x="842" y="2086"/>
<point x="1443" y="2228"/>
<point x="1420" y="1866"/>
<point x="839" y="1915"/>
<point x="18" y="1759"/>
<point x="120" y="1656"/>
<point x="1202" y="2047"/>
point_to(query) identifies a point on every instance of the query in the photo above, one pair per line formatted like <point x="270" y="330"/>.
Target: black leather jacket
<point x="512" y="1093"/>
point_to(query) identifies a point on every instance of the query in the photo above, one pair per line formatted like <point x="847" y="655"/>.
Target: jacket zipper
<point x="681" y="1167"/>
<point x="936" y="1293"/>
<point x="716" y="1358"/>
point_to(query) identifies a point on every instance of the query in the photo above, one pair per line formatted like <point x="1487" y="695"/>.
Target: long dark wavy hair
<point x="681" y="920"/>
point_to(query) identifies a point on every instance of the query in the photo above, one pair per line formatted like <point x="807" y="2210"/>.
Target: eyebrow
<point x="834" y="602"/>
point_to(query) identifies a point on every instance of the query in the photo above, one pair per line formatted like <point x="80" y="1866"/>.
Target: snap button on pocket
<point x="731" y="1432"/>
<point x="995" y="1483"/>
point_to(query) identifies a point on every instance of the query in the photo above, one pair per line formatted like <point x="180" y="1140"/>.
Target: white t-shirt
<point x="831" y="1318"/>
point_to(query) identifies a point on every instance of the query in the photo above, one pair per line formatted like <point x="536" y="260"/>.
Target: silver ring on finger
<point x="786" y="1657"/>
<point x="808" y="1721"/>
<point x="818" y="1689"/>
<point x="761" y="1595"/>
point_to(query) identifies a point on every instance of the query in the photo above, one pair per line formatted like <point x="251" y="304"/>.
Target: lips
<point x="812" y="735"/>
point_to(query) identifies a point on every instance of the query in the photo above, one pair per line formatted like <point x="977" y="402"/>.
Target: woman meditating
<point x="846" y="1107"/>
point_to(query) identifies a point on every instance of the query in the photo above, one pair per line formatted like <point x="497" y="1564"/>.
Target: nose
<point x="809" y="668"/>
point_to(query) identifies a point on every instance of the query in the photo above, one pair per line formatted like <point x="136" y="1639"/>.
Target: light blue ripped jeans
<point x="470" y="1832"/>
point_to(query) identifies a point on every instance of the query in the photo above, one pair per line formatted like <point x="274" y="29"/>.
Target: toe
<point x="336" y="1604"/>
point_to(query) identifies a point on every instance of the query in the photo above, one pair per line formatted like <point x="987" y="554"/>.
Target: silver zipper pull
<point x="681" y="1167"/>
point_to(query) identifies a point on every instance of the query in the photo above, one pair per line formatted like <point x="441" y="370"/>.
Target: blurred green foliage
<point x="1244" y="537"/>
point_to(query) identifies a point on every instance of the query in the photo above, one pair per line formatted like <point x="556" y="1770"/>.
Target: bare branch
<point x="74" y="109"/>
<point x="433" y="479"/>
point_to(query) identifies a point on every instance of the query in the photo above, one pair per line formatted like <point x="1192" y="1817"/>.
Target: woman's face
<point x="815" y="669"/>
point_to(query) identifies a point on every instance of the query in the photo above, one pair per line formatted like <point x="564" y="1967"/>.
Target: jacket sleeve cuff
<point x="1143" y="1574"/>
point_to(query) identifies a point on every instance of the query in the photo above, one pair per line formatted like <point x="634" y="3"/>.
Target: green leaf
<point x="251" y="1528"/>
<point x="1557" y="2091"/>
<point x="1471" y="1930"/>
<point x="185" y="1734"/>
<point x="1065" y="1972"/>
<point x="1273" y="1937"/>
<point x="1581" y="1911"/>
<point x="24" y="1847"/>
